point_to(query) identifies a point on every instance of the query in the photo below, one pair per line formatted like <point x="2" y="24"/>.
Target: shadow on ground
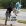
<point x="3" y="25"/>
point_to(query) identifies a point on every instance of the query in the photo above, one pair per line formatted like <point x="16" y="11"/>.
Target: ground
<point x="3" y="25"/>
<point x="17" y="24"/>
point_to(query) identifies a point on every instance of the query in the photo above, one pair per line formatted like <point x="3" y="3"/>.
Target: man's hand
<point x="16" y="14"/>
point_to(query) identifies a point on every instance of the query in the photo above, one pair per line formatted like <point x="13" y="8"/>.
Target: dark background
<point x="5" y="3"/>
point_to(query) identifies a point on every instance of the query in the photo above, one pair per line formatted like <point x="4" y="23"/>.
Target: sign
<point x="13" y="20"/>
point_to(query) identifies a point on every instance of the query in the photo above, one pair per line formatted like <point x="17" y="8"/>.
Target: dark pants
<point x="7" y="15"/>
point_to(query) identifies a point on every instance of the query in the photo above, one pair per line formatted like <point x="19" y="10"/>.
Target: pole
<point x="20" y="1"/>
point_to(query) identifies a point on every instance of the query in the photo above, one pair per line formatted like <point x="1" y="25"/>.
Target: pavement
<point x="21" y="14"/>
<point x="8" y="23"/>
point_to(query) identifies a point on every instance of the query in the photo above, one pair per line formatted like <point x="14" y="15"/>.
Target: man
<point x="9" y="9"/>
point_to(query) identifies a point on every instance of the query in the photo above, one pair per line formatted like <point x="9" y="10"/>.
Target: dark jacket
<point x="9" y="8"/>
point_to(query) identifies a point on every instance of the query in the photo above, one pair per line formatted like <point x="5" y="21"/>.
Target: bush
<point x="5" y="3"/>
<point x="23" y="3"/>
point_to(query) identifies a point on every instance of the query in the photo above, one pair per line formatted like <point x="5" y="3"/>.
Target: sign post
<point x="12" y="20"/>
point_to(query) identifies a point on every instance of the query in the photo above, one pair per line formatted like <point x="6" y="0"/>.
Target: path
<point x="17" y="24"/>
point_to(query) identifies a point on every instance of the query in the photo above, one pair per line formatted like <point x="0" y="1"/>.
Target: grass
<point x="21" y="21"/>
<point x="5" y="18"/>
<point x="23" y="10"/>
<point x="8" y="19"/>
